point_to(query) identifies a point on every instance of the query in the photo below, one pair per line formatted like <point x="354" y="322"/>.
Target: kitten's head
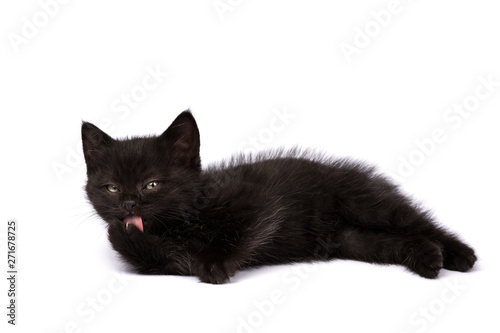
<point x="142" y="181"/>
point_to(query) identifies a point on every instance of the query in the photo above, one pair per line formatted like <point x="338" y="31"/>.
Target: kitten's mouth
<point x="133" y="220"/>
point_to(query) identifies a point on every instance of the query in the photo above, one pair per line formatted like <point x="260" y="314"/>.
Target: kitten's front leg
<point x="139" y="249"/>
<point x="215" y="273"/>
<point x="215" y="268"/>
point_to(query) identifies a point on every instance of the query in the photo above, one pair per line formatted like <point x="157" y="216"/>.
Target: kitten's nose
<point x="129" y="205"/>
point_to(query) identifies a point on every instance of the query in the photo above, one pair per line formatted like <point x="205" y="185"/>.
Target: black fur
<point x="277" y="207"/>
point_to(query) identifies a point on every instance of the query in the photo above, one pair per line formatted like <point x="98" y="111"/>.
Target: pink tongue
<point x="135" y="220"/>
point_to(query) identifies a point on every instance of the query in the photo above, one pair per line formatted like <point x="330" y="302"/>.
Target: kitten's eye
<point x="151" y="185"/>
<point x="112" y="188"/>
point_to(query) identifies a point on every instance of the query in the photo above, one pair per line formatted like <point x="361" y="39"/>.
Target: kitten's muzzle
<point x="129" y="205"/>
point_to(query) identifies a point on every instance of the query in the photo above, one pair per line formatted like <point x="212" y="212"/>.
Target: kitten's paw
<point x="215" y="273"/>
<point x="116" y="232"/>
<point x="459" y="257"/>
<point x="426" y="259"/>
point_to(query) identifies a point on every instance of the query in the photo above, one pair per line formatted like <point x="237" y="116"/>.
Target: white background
<point x="236" y="67"/>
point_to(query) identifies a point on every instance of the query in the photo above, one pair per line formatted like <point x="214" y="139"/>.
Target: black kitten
<point x="166" y="215"/>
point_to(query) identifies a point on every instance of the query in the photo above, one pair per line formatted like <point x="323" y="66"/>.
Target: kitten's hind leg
<point x="458" y="256"/>
<point x="418" y="253"/>
<point x="379" y="205"/>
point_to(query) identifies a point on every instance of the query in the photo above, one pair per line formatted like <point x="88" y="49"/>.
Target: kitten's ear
<point x="94" y="142"/>
<point x="182" y="141"/>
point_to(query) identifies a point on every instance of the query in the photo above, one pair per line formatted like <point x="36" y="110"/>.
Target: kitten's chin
<point x="133" y="220"/>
